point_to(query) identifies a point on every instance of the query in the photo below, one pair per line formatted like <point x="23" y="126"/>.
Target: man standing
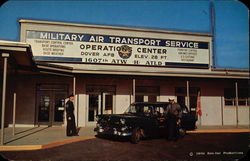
<point x="71" y="126"/>
<point x="174" y="114"/>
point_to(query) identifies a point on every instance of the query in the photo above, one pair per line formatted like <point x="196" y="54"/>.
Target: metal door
<point x="50" y="107"/>
<point x="98" y="103"/>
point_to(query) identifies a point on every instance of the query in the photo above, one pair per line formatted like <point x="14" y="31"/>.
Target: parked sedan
<point x="140" y="120"/>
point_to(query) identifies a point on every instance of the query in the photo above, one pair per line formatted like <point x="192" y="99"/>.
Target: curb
<point x="219" y="131"/>
<point x="44" y="146"/>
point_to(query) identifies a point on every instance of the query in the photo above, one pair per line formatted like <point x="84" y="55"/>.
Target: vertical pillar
<point x="237" y="103"/>
<point x="74" y="85"/>
<point x="222" y="110"/>
<point x="5" y="57"/>
<point x="133" y="90"/>
<point x="188" y="97"/>
<point x="14" y="114"/>
<point x="75" y="101"/>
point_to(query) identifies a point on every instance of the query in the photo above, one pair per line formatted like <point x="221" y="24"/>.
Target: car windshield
<point x="132" y="109"/>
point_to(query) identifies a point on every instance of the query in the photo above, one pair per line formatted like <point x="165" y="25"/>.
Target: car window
<point x="131" y="109"/>
<point x="147" y="110"/>
<point x="184" y="109"/>
<point x="159" y="111"/>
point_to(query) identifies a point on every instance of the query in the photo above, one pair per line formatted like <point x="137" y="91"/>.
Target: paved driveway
<point x="226" y="146"/>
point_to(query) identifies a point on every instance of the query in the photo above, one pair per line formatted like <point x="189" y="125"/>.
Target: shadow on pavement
<point x="17" y="133"/>
<point x="26" y="134"/>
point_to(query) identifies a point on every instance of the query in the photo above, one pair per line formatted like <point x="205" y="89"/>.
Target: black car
<point x="140" y="120"/>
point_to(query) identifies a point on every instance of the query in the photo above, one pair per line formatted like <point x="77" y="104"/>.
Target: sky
<point x="231" y="25"/>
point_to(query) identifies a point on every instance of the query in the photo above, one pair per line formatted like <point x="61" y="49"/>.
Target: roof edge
<point x="113" y="27"/>
<point x="13" y="43"/>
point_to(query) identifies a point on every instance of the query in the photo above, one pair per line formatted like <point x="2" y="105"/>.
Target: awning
<point x="20" y="57"/>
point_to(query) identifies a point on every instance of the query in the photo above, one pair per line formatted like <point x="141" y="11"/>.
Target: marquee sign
<point x="118" y="50"/>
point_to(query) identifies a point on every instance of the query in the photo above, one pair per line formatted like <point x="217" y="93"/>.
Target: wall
<point x="212" y="94"/>
<point x="25" y="88"/>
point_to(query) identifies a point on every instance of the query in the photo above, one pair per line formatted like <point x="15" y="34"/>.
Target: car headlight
<point x="122" y="121"/>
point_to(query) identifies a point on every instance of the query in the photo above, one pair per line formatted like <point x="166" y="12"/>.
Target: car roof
<point x="151" y="103"/>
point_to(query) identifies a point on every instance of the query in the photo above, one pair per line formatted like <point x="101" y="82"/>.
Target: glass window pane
<point x="139" y="98"/>
<point x="243" y="102"/>
<point x="152" y="98"/>
<point x="229" y="102"/>
<point x="243" y="93"/>
<point x="108" y="102"/>
<point x="59" y="107"/>
<point x="180" y="91"/>
<point x="93" y="106"/>
<point x="229" y="93"/>
<point x="44" y="108"/>
<point x="181" y="100"/>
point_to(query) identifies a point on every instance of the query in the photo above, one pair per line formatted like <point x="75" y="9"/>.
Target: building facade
<point x="108" y="68"/>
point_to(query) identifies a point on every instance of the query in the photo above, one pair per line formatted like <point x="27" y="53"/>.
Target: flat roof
<point x="113" y="27"/>
<point x="20" y="55"/>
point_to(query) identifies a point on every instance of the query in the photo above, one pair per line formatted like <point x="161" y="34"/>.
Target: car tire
<point x="136" y="135"/>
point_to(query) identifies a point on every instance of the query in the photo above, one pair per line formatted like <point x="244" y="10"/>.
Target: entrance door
<point x="98" y="104"/>
<point x="50" y="107"/>
<point x="107" y="103"/>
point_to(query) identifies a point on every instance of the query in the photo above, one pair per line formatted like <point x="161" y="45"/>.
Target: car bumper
<point x="113" y="131"/>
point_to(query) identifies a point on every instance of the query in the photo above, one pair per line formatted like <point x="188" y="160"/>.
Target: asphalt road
<point x="226" y="146"/>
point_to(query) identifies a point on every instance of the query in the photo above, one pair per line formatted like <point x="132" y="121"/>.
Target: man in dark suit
<point x="71" y="125"/>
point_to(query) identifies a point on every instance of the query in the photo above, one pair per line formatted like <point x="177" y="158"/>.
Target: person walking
<point x="71" y="125"/>
<point x="173" y="113"/>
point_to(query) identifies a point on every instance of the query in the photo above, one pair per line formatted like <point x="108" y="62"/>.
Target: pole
<point x="14" y="114"/>
<point x="133" y="90"/>
<point x="188" y="104"/>
<point x="212" y="30"/>
<point x="74" y="85"/>
<point x="237" y="103"/>
<point x="5" y="57"/>
<point x="75" y="102"/>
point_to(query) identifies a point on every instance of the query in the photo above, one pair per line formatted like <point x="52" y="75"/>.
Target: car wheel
<point x="136" y="135"/>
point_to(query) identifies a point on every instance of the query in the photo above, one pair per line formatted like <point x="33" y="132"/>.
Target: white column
<point x="74" y="85"/>
<point x="237" y="103"/>
<point x="133" y="90"/>
<point x="14" y="114"/>
<point x="5" y="57"/>
<point x="188" y="98"/>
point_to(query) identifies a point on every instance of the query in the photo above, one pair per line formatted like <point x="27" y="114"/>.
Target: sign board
<point x="117" y="50"/>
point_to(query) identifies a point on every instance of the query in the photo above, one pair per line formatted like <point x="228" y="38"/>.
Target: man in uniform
<point x="71" y="126"/>
<point x="174" y="113"/>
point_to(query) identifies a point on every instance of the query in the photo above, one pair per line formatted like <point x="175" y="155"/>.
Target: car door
<point x="161" y="119"/>
<point x="148" y="121"/>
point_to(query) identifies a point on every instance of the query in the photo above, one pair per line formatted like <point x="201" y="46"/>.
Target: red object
<point x="198" y="108"/>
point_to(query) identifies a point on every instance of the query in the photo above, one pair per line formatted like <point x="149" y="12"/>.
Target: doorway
<point x="50" y="105"/>
<point x="100" y="100"/>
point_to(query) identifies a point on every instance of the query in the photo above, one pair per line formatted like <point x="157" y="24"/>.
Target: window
<point x="150" y="92"/>
<point x="230" y="96"/>
<point x="181" y="93"/>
